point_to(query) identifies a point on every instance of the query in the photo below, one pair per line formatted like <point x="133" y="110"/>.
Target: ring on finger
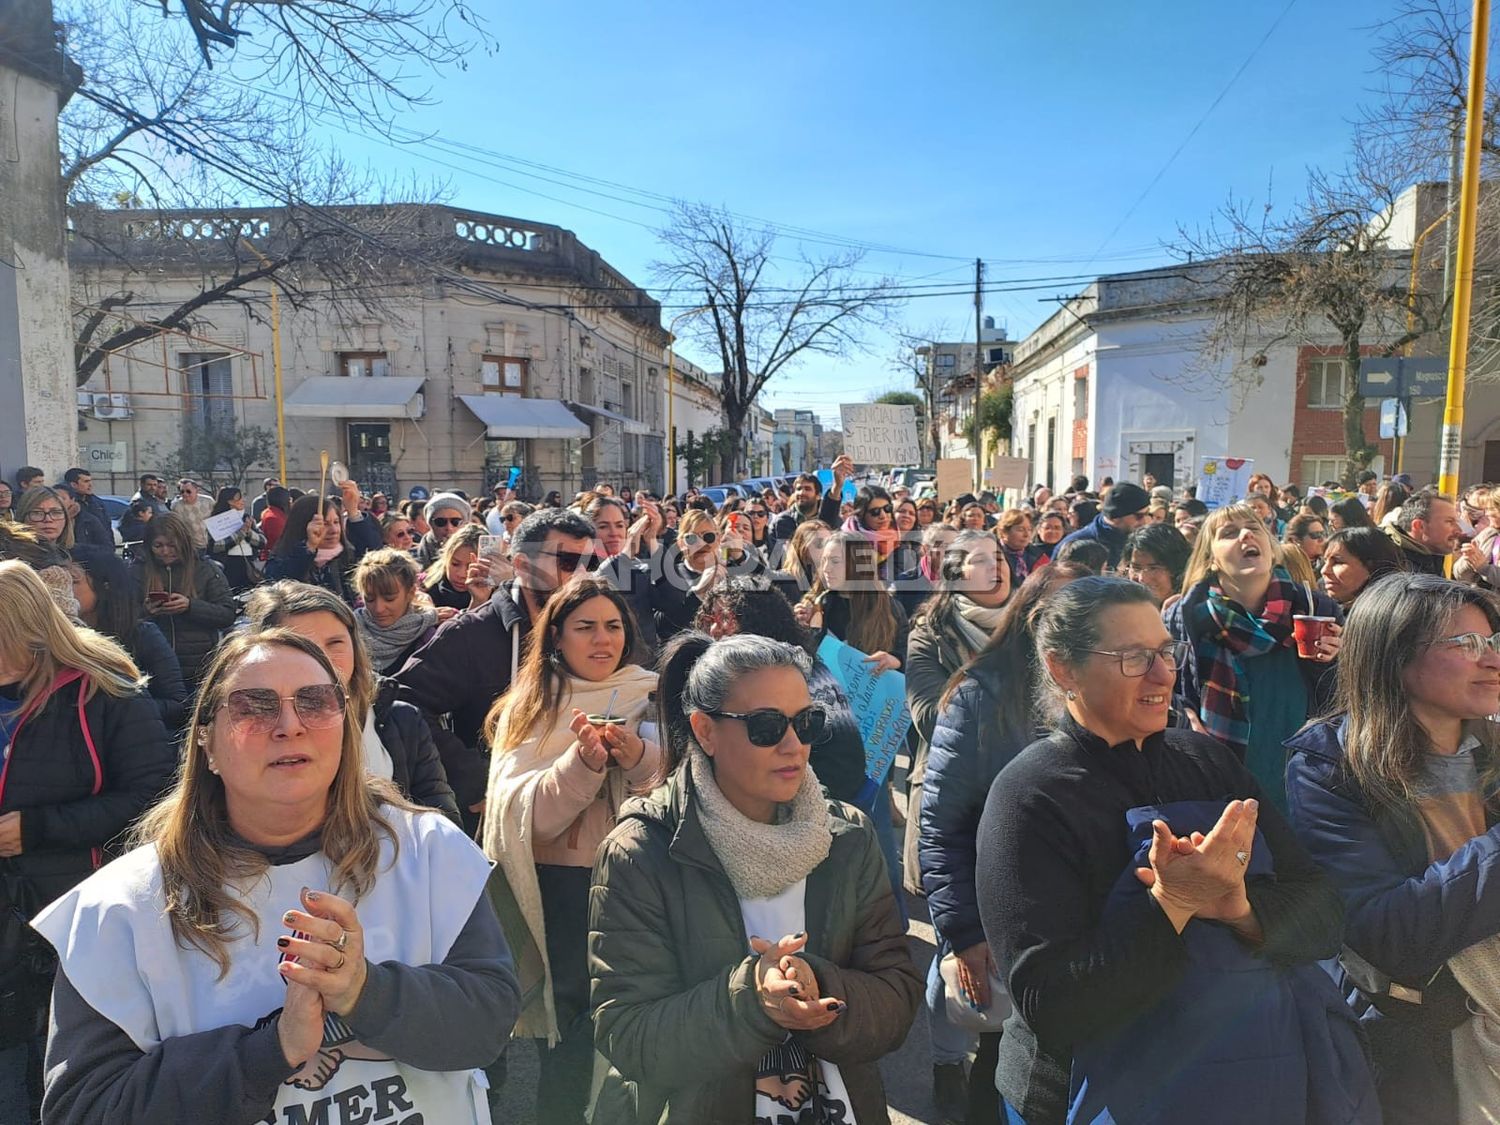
<point x="343" y="942"/>
<point x="340" y="965"/>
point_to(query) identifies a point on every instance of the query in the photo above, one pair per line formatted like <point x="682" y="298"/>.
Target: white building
<point x="695" y="410"/>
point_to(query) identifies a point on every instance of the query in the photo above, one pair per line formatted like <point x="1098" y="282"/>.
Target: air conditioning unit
<point x="111" y="407"/>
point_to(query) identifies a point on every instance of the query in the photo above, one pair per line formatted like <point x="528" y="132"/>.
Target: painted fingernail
<point x="838" y="1006"/>
<point x="288" y="919"/>
<point x="283" y="942"/>
<point x="312" y="896"/>
<point x="799" y="936"/>
<point x="796" y="990"/>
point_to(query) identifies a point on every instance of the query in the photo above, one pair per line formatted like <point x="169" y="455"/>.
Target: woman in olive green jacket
<point x="746" y="952"/>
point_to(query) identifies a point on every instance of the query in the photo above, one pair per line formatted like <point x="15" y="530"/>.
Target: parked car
<point x="718" y="493"/>
<point x="115" y="506"/>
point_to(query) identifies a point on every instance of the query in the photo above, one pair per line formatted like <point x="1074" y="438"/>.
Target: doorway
<point x="1162" y="466"/>
<point x="1491" y="461"/>
<point x="370" y="457"/>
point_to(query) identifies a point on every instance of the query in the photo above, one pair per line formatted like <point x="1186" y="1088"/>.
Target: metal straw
<point x="609" y="712"/>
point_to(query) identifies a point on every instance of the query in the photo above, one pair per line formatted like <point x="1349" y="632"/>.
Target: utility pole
<point x="1463" y="289"/>
<point x="978" y="370"/>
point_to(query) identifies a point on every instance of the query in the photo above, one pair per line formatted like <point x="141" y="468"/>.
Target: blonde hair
<point x="466" y="536"/>
<point x="385" y="572"/>
<point x="807" y="531"/>
<point x="1297" y="564"/>
<point x="198" y="851"/>
<point x="34" y="496"/>
<point x="38" y="638"/>
<point x="1200" y="564"/>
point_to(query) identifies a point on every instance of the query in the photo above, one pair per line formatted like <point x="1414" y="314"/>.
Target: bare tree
<point x="914" y="358"/>
<point x="760" y="319"/>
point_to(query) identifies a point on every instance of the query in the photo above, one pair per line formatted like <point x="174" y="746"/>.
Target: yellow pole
<point x="275" y="362"/>
<point x="276" y="365"/>
<point x="1411" y="309"/>
<point x="1463" y="289"/>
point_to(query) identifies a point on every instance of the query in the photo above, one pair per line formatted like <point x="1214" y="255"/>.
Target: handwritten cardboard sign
<point x="878" y="434"/>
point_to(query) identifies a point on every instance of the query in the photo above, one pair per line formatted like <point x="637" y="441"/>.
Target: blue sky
<point x="1021" y="133"/>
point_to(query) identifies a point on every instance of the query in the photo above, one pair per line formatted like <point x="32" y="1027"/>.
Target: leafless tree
<point x="913" y="358"/>
<point x="760" y="316"/>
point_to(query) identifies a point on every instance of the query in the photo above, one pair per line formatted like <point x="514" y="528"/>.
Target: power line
<point x="1193" y="132"/>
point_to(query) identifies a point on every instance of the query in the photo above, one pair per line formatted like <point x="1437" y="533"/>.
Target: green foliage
<point x="991" y="416"/>
<point x="904" y="398"/>
<point x="214" y="457"/>
<point x="699" y="455"/>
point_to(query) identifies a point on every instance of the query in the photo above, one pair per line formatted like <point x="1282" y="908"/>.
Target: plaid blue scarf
<point x="1225" y="633"/>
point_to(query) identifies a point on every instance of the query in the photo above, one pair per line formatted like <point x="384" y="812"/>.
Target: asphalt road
<point x="907" y="1072"/>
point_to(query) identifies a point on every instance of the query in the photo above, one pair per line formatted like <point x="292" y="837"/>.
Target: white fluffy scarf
<point x="762" y="860"/>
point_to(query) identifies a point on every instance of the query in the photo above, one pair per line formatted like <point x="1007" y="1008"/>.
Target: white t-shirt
<point x="786" y="1089"/>
<point x="116" y="946"/>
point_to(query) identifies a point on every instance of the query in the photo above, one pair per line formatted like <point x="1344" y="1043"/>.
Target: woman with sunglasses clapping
<point x="702" y="557"/>
<point x="279" y="942"/>
<point x="566" y="751"/>
<point x="741" y="916"/>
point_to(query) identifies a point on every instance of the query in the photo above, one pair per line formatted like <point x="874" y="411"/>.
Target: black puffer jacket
<point x="74" y="798"/>
<point x="416" y="768"/>
<point x="193" y="633"/>
<point x="148" y="647"/>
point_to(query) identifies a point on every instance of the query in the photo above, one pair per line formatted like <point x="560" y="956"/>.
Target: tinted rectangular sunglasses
<point x="766" y="726"/>
<point x="258" y="710"/>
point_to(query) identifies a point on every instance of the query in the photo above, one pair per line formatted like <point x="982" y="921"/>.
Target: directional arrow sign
<point x="1378" y="377"/>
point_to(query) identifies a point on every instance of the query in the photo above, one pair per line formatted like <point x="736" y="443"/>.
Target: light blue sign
<point x="825" y="478"/>
<point x="1392" y="418"/>
<point x="878" y="702"/>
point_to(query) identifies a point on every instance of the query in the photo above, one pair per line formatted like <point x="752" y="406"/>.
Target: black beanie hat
<point x="1125" y="499"/>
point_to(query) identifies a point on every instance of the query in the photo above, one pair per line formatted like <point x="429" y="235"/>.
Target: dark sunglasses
<point x="767" y="726"/>
<point x="878" y="510"/>
<point x="510" y="518"/>
<point x="693" y="538"/>
<point x="1314" y="535"/>
<point x="404" y="533"/>
<point x="756" y="514"/>
<point x="447" y="521"/>
<point x="570" y="561"/>
<point x="258" y="710"/>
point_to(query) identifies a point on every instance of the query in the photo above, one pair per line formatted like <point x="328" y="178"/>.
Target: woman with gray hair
<point x="1158" y="922"/>
<point x="1395" y="798"/>
<point x="740" y="916"/>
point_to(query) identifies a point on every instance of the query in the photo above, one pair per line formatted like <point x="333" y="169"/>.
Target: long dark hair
<point x="174" y="528"/>
<point x="1395" y="618"/>
<point x="541" y="680"/>
<point x="867" y="495"/>
<point x="1372" y="547"/>
<point x="951" y="571"/>
<point x="1010" y="655"/>
<point x="118" y="608"/>
<point x="225" y="499"/>
<point x="1164" y="544"/>
<point x="873" y="624"/>
<point x="295" y="532"/>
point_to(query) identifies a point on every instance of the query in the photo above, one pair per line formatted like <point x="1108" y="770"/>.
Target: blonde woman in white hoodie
<point x="566" y="750"/>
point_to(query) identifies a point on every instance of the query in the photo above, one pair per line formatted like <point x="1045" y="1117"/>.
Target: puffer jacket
<point x="194" y="633"/>
<point x="416" y="768"/>
<point x="79" y="784"/>
<point x="670" y="965"/>
<point x="1404" y="917"/>
<point x="970" y="746"/>
<point x="935" y="651"/>
<point x="153" y="655"/>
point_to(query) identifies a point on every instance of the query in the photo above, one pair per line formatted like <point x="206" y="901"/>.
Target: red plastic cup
<point x="1309" y="630"/>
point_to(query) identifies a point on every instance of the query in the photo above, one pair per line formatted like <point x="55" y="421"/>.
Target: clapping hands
<point x="788" y="989"/>
<point x="1203" y="876"/>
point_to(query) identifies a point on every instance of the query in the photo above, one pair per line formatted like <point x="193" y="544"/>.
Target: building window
<point x="997" y="355"/>
<point x="505" y="374"/>
<point x="364" y="365"/>
<point x="208" y="388"/>
<point x="1325" y="384"/>
<point x="947" y="359"/>
<point x="1315" y="470"/>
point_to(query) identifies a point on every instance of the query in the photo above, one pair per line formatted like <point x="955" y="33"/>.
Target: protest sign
<point x="955" y="476"/>
<point x="1009" y="472"/>
<point x="878" y="701"/>
<point x="225" y="524"/>
<point x="877" y="434"/>
<point x="1223" y="480"/>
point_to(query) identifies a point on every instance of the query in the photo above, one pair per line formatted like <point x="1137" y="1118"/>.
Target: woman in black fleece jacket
<point x="1158" y="973"/>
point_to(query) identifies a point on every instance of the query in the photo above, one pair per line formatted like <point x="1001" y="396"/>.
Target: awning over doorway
<point x="343" y="396"/>
<point x="511" y="416"/>
<point x="630" y="424"/>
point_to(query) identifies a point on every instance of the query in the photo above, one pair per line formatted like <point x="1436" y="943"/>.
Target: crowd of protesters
<point x="307" y="818"/>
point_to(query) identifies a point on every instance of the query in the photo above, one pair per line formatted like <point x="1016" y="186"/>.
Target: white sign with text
<point x="879" y="434"/>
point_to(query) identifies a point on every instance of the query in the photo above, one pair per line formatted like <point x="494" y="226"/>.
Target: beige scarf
<point x="976" y="623"/>
<point x="515" y="773"/>
<point x="762" y="860"/>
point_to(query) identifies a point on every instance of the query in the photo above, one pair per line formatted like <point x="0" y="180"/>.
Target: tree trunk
<point x="1357" y="449"/>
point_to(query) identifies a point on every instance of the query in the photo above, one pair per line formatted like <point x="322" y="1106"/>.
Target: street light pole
<point x="1463" y="288"/>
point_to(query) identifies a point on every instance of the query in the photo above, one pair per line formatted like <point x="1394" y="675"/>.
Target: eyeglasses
<point x="1473" y="645"/>
<point x="512" y="518"/>
<point x="258" y="710"/>
<point x="695" y="539"/>
<point x="1131" y="570"/>
<point x="570" y="561"/>
<point x="46" y="515"/>
<point x="878" y="510"/>
<point x="756" y="514"/>
<point x="1313" y="535"/>
<point x="1136" y="662"/>
<point x="446" y="521"/>
<point x="767" y="726"/>
<point x="404" y="533"/>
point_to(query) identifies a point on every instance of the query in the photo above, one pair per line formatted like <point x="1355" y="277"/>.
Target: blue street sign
<point x="1393" y="421"/>
<point x="1403" y="376"/>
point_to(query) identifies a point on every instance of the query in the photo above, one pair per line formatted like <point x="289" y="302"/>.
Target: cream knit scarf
<point x="762" y="860"/>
